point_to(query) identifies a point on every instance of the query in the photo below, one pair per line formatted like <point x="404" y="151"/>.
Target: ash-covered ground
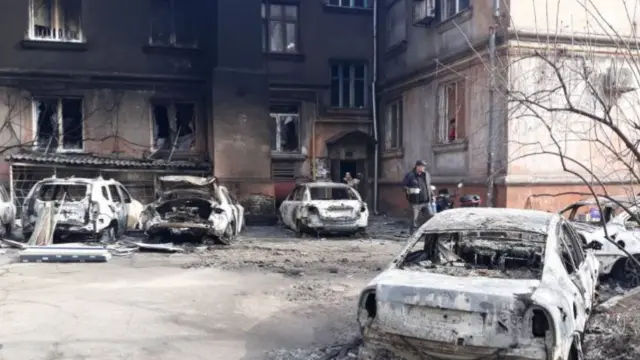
<point x="269" y="296"/>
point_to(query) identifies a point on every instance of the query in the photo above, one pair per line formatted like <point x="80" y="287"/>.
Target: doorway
<point x="348" y="166"/>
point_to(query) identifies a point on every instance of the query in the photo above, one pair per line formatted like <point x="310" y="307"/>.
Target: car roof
<point x="608" y="201"/>
<point x="470" y="219"/>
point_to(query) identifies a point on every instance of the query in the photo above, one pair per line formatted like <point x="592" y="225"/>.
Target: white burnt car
<point x="192" y="207"/>
<point x="621" y="228"/>
<point x="94" y="207"/>
<point x="7" y="212"/>
<point x="482" y="283"/>
<point x="324" y="207"/>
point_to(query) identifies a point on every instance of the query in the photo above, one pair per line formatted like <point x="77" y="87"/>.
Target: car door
<point x="295" y="204"/>
<point x="119" y="209"/>
<point x="284" y="208"/>
<point x="579" y="292"/>
<point x="587" y="264"/>
<point x="131" y="213"/>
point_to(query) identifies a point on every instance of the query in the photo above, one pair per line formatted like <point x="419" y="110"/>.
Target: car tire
<point x="230" y="233"/>
<point x="109" y="234"/>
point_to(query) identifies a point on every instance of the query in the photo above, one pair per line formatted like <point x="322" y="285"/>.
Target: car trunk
<point x="185" y="210"/>
<point x="463" y="311"/>
<point x="338" y="209"/>
<point x="71" y="202"/>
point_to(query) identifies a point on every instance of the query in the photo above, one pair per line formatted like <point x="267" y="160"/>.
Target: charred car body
<point x="192" y="207"/>
<point x="7" y="212"/>
<point x="479" y="283"/>
<point x="324" y="207"/>
<point x="621" y="227"/>
<point x="84" y="206"/>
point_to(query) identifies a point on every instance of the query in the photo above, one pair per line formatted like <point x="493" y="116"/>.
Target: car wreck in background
<point x="7" y="212"/>
<point x="93" y="207"/>
<point x="622" y="228"/>
<point x="192" y="208"/>
<point x="324" y="207"/>
<point x="480" y="283"/>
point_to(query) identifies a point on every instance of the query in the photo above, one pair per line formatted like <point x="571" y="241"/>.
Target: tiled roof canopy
<point x="96" y="161"/>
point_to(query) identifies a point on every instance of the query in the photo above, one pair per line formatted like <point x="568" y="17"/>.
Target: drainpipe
<point x="312" y="145"/>
<point x="492" y="90"/>
<point x="374" y="108"/>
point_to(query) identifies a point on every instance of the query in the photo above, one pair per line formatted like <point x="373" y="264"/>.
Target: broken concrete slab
<point x="167" y="247"/>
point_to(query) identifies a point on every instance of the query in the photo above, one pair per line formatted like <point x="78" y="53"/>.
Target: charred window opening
<point x="174" y="126"/>
<point x="495" y="254"/>
<point x="539" y="324"/>
<point x="332" y="193"/>
<point x="56" y="20"/>
<point x="115" y="195"/>
<point x="66" y="192"/>
<point x="286" y="124"/>
<point x="370" y="305"/>
<point x="172" y="24"/>
<point x="52" y="134"/>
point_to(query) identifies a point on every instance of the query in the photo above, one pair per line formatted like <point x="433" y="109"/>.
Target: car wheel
<point x="230" y="233"/>
<point x="109" y="234"/>
<point x="631" y="274"/>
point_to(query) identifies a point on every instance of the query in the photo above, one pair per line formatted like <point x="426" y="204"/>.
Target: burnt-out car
<point x="94" y="207"/>
<point x="622" y="228"/>
<point x="481" y="283"/>
<point x="192" y="207"/>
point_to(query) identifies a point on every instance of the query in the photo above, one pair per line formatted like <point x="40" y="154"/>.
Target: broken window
<point x="56" y="20"/>
<point x="172" y="24"/>
<point x="54" y="135"/>
<point x="494" y="254"/>
<point x="349" y="85"/>
<point x="332" y="193"/>
<point x="453" y="7"/>
<point x="393" y="125"/>
<point x="360" y="4"/>
<point x="280" y="28"/>
<point x="68" y="192"/>
<point x="286" y="137"/>
<point x="396" y="24"/>
<point x="451" y="112"/>
<point x="115" y="195"/>
<point x="174" y="126"/>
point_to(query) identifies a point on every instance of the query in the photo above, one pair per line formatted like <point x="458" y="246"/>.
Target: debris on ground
<point x="613" y="331"/>
<point x="348" y="351"/>
<point x="64" y="254"/>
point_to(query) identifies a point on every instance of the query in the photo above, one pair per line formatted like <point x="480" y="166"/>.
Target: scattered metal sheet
<point x="168" y="247"/>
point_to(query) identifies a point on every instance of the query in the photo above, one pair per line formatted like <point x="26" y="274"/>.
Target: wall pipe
<point x="374" y="108"/>
<point x="492" y="120"/>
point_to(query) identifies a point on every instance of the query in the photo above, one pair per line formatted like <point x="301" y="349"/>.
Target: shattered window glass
<point x="493" y="254"/>
<point x="56" y="192"/>
<point x="332" y="193"/>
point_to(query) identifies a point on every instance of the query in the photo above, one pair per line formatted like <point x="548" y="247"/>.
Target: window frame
<point x="282" y="115"/>
<point x="390" y="143"/>
<point x="442" y="118"/>
<point x="445" y="7"/>
<point x="401" y="17"/>
<point x="350" y="4"/>
<point x="173" y="37"/>
<point x="173" y="127"/>
<point x="31" y="33"/>
<point x="352" y="65"/>
<point x="267" y="18"/>
<point x="60" y="124"/>
<point x="126" y="197"/>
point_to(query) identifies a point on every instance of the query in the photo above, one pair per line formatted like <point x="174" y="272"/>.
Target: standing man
<point x="417" y="184"/>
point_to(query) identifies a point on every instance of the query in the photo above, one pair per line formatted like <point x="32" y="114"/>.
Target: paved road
<point x="228" y="304"/>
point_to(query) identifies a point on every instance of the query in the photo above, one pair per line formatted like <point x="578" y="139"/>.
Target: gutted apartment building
<point x="256" y="93"/>
<point x="436" y="92"/>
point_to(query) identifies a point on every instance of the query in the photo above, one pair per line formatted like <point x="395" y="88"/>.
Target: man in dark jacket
<point x="417" y="184"/>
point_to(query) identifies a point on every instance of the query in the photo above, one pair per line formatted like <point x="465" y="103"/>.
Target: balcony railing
<point x="55" y="34"/>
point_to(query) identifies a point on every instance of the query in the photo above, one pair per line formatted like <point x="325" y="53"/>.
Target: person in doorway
<point x="417" y="185"/>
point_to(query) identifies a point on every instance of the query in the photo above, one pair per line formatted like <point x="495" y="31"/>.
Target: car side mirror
<point x="595" y="245"/>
